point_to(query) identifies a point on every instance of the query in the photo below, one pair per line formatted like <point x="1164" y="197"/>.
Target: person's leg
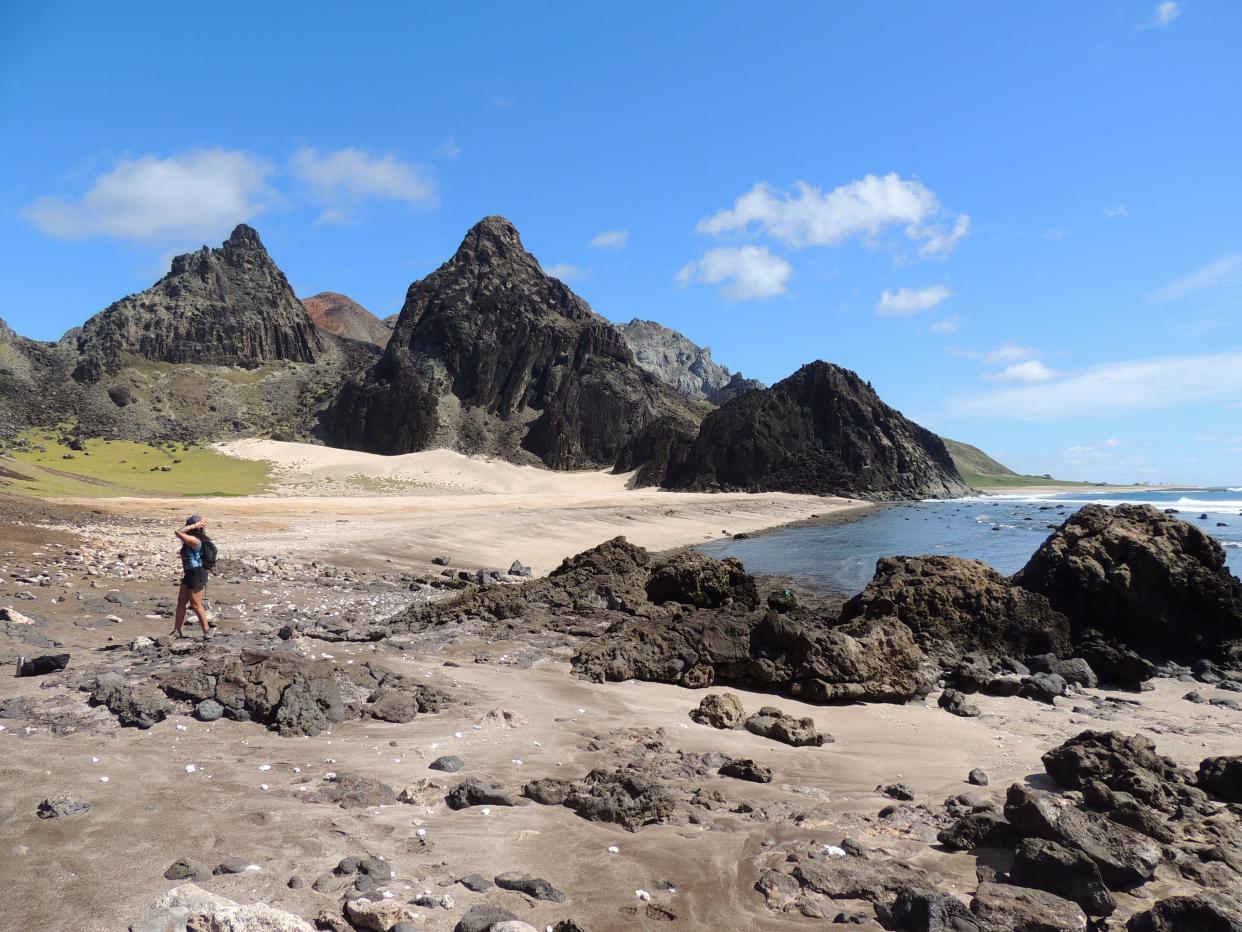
<point x="196" y="603"/>
<point x="183" y="599"/>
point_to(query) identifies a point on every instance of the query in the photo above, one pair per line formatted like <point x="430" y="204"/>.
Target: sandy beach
<point x="481" y="514"/>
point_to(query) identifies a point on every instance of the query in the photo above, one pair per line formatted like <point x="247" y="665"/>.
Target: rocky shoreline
<point x="951" y="749"/>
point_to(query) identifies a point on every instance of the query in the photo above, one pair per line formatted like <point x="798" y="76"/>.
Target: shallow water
<point x="1000" y="530"/>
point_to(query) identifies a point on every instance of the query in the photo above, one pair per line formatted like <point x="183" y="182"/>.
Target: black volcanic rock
<point x="823" y="430"/>
<point x="491" y="355"/>
<point x="227" y="306"/>
<point x="1158" y="585"/>
<point x="956" y="605"/>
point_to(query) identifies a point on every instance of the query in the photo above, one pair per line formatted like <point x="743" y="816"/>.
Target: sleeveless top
<point x="191" y="557"/>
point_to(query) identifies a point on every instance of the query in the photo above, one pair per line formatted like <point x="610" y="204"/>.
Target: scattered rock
<point x="474" y="792"/>
<point x="449" y="763"/>
<point x="771" y="722"/>
<point x="719" y="710"/>
<point x="481" y="917"/>
<point x="1006" y="908"/>
<point x="955" y="702"/>
<point x="135" y="705"/>
<point x="62" y="806"/>
<point x="379" y="915"/>
<point x="977" y="778"/>
<point x="208" y="711"/>
<point x="42" y="665"/>
<point x="534" y="887"/>
<point x="186" y="869"/>
<point x="746" y="769"/>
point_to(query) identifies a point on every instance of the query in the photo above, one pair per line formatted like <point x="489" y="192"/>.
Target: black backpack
<point x="209" y="553"/>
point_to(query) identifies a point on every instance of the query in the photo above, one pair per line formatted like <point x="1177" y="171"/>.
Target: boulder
<point x="1204" y="912"/>
<point x="955" y="605"/>
<point x="622" y="797"/>
<point x="1113" y="663"/>
<point x="354" y="791"/>
<point x="746" y="769"/>
<point x="1222" y="777"/>
<point x="1153" y="582"/>
<point x="1006" y="908"/>
<point x="482" y="916"/>
<point x="1123" y="763"/>
<point x="692" y="578"/>
<point x="474" y="792"/>
<point x="534" y="887"/>
<point x="379" y="915"/>
<point x="190" y="906"/>
<point x="1045" y="865"/>
<point x="856" y="879"/>
<point x="800" y="657"/>
<point x="771" y="722"/>
<point x="1124" y="857"/>
<point x="956" y="703"/>
<point x="930" y="910"/>
<point x="984" y="829"/>
<point x="136" y="705"/>
<point x="719" y="710"/>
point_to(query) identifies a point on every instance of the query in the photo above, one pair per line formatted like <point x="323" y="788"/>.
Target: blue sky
<point x="1018" y="221"/>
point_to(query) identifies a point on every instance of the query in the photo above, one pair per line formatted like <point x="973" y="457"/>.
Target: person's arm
<point x="189" y="539"/>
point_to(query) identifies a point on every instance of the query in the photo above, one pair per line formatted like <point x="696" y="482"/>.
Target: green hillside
<point x="973" y="461"/>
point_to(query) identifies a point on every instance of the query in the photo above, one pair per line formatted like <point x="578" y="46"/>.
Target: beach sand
<point x="480" y="513"/>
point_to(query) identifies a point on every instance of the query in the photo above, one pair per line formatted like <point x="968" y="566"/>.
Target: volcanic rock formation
<point x="1148" y="580"/>
<point x="823" y="430"/>
<point x="492" y="355"/>
<point x="224" y="307"/>
<point x="342" y="315"/>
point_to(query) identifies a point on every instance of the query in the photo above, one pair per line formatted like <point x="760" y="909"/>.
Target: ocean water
<point x="1001" y="530"/>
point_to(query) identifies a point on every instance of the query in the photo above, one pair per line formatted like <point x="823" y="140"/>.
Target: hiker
<point x="194" y="546"/>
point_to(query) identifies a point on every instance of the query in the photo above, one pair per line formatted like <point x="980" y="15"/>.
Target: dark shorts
<point x="196" y="579"/>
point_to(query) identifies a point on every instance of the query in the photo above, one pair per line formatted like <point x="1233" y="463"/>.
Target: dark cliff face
<point x="226" y="306"/>
<point x="823" y="430"/>
<point x="491" y="355"/>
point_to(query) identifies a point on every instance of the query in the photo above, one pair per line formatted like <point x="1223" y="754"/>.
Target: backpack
<point x="209" y="553"/>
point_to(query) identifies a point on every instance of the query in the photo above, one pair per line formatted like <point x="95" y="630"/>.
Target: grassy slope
<point x="123" y="467"/>
<point x="982" y="472"/>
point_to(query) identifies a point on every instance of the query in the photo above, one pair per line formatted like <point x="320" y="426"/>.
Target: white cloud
<point x="564" y="271"/>
<point x="948" y="325"/>
<point x="747" y="272"/>
<point x="197" y="195"/>
<point x="1167" y="12"/>
<point x="347" y="177"/>
<point x="1117" y="210"/>
<point x="861" y="209"/>
<point x="1030" y="371"/>
<point x="906" y="301"/>
<point x="1007" y="352"/>
<point x="610" y="239"/>
<point x="1225" y="272"/>
<point x="449" y="149"/>
<point x="1121" y="386"/>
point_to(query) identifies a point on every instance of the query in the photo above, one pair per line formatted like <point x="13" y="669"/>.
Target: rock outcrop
<point x="679" y="363"/>
<point x="230" y="306"/>
<point x="868" y="661"/>
<point x="822" y="431"/>
<point x="345" y="317"/>
<point x="1154" y="583"/>
<point x="737" y="385"/>
<point x="955" y="605"/>
<point x="492" y="355"/>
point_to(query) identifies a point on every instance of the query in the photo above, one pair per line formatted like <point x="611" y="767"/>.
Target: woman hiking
<point x="194" y="577"/>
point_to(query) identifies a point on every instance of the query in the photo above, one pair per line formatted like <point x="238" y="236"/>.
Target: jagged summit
<point x="492" y="355"/>
<point x="822" y="430"/>
<point x="226" y="306"/>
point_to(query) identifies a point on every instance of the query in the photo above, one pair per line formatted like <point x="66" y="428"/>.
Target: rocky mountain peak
<point x="823" y="430"/>
<point x="493" y="242"/>
<point x="492" y="355"/>
<point x="226" y="306"/>
<point x="676" y="361"/>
